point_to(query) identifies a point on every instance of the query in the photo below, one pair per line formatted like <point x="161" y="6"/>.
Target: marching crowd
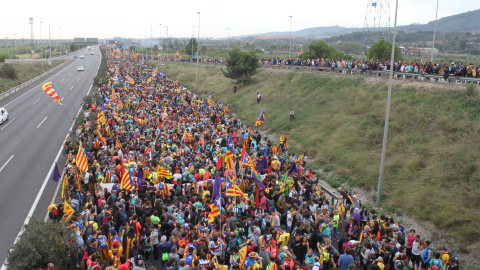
<point x="159" y="178"/>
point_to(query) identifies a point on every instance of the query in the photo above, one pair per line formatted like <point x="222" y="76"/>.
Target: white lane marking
<point x="36" y="101"/>
<point x="37" y="87"/>
<point x="69" y="74"/>
<point x="78" y="79"/>
<point x="71" y="87"/>
<point x="63" y="79"/>
<point x="8" y="123"/>
<point x="62" y="99"/>
<point x="42" y="122"/>
<point x="6" y="163"/>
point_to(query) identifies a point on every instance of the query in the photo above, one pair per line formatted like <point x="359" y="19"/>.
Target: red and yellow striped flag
<point x="213" y="213"/>
<point x="187" y="135"/>
<point x="118" y="144"/>
<point x="120" y="104"/>
<point x="125" y="182"/>
<point x="162" y="172"/>
<point x="243" y="257"/>
<point x="101" y="117"/>
<point x="81" y="159"/>
<point x="68" y="211"/>
<point x="51" y="91"/>
<point x="64" y="185"/>
<point x="107" y="130"/>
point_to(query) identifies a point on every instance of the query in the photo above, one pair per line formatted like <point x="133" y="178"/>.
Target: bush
<point x="41" y="243"/>
<point x="470" y="90"/>
<point x="3" y="57"/>
<point x="8" y="72"/>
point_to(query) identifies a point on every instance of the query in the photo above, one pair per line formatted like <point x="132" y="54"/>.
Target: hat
<point x="115" y="243"/>
<point x="253" y="255"/>
<point x="273" y="241"/>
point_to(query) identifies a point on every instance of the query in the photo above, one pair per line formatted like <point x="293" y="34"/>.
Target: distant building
<point x="414" y="50"/>
<point x="91" y="41"/>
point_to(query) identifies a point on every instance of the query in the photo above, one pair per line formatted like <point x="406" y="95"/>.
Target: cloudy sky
<point x="105" y="19"/>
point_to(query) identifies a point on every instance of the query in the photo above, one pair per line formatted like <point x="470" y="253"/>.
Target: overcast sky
<point x="106" y="19"/>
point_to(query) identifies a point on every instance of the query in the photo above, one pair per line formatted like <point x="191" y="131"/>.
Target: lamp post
<point x="60" y="39"/>
<point x="434" y="32"/>
<point x="387" y="114"/>
<point x="198" y="46"/>
<point x="41" y="47"/>
<point x="160" y="37"/>
<point x="146" y="49"/>
<point x="228" y="40"/>
<point x="50" y="41"/>
<point x="14" y="47"/>
<point x="290" y="47"/>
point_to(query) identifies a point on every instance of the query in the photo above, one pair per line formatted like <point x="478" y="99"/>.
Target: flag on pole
<point x="64" y="185"/>
<point x="56" y="174"/>
<point x="261" y="165"/>
<point x="293" y="169"/>
<point x="235" y="191"/>
<point x="101" y="117"/>
<point x="118" y="144"/>
<point x="216" y="186"/>
<point x="261" y="118"/>
<point x="162" y="172"/>
<point x="51" y="91"/>
<point x="229" y="154"/>
<point x="81" y="159"/>
<point x="140" y="177"/>
<point x="219" y="163"/>
<point x="243" y="257"/>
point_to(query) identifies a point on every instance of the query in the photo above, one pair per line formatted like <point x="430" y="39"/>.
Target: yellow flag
<point x="67" y="210"/>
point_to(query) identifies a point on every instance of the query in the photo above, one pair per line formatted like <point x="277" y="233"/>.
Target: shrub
<point x="8" y="72"/>
<point x="41" y="243"/>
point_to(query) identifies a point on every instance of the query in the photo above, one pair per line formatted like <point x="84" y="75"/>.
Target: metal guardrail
<point x="27" y="83"/>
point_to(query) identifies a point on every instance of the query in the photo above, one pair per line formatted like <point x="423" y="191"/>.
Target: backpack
<point x="50" y="209"/>
<point x="89" y="230"/>
<point x="123" y="216"/>
<point x="135" y="251"/>
<point x="435" y="266"/>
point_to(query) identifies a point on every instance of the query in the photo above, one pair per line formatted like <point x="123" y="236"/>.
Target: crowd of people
<point x="174" y="181"/>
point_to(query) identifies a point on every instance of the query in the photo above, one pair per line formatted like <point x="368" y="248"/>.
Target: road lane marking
<point x="6" y="163"/>
<point x="69" y="74"/>
<point x="42" y="122"/>
<point x="63" y="79"/>
<point x="62" y="99"/>
<point x="36" y="101"/>
<point x="8" y="123"/>
<point x="71" y="87"/>
<point x="78" y="79"/>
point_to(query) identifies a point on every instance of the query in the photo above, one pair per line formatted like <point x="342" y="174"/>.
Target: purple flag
<point x="56" y="174"/>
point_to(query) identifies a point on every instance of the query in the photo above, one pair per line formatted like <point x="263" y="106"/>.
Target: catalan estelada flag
<point x="187" y="135"/>
<point x="64" y="186"/>
<point x="261" y="118"/>
<point x="81" y="159"/>
<point x="51" y="91"/>
<point x="118" y="144"/>
<point x="68" y="211"/>
<point x="101" y="117"/>
<point x="162" y="172"/>
<point x="243" y="257"/>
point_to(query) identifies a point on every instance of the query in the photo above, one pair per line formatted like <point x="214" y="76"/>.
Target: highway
<point x="30" y="142"/>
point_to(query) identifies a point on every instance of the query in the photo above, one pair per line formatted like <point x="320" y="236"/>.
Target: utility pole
<point x="14" y="47"/>
<point x="198" y="47"/>
<point x="168" y="41"/>
<point x="151" y="38"/>
<point x="41" y="46"/>
<point x="50" y="38"/>
<point x="228" y="40"/>
<point x="434" y="32"/>
<point x="290" y="47"/>
<point x="387" y="114"/>
<point x="146" y="48"/>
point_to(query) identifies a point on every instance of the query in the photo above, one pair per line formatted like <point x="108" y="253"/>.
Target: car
<point x="3" y="115"/>
<point x="80" y="68"/>
<point x="82" y="56"/>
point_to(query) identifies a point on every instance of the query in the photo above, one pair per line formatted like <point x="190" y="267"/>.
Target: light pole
<point x="151" y="38"/>
<point x="14" y="47"/>
<point x="228" y="40"/>
<point x="41" y="47"/>
<point x="50" y="38"/>
<point x="146" y="49"/>
<point x="290" y="47"/>
<point x="60" y="39"/>
<point x="434" y="32"/>
<point x="160" y="37"/>
<point x="387" y="114"/>
<point x="198" y="46"/>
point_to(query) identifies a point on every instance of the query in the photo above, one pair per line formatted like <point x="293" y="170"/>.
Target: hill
<point x="431" y="168"/>
<point x="463" y="22"/>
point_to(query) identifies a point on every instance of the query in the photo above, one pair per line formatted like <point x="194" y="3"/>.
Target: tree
<point x="203" y="49"/>
<point x="8" y="71"/>
<point x="42" y="243"/>
<point x="382" y="51"/>
<point x="321" y="49"/>
<point x="241" y="65"/>
<point x="191" y="47"/>
<point x="155" y="48"/>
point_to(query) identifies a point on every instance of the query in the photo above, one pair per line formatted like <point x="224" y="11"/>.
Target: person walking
<point x="292" y="115"/>
<point x="259" y="97"/>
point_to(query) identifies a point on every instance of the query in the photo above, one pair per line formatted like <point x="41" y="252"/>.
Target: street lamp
<point x="160" y="37"/>
<point x="41" y="47"/>
<point x="14" y="47"/>
<point x="228" y="39"/>
<point x="146" y="50"/>
<point x="290" y="47"/>
<point x="387" y="114"/>
<point x="198" y="46"/>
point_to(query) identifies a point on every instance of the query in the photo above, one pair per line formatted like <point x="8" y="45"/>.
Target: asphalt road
<point x="30" y="142"/>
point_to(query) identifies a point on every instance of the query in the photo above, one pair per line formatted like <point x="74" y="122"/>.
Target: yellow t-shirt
<point x="205" y="193"/>
<point x="220" y="267"/>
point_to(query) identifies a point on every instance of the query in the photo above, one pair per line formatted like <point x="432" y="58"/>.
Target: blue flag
<point x="103" y="103"/>
<point x="140" y="177"/>
<point x="262" y="164"/>
<point x="216" y="186"/>
<point x="56" y="174"/>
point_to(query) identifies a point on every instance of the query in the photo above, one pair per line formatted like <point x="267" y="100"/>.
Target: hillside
<point x="463" y="22"/>
<point x="431" y="168"/>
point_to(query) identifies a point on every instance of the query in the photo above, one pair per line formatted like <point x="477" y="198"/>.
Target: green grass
<point x="431" y="169"/>
<point x="25" y="72"/>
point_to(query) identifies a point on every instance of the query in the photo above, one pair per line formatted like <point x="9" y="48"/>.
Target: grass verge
<point x="25" y="72"/>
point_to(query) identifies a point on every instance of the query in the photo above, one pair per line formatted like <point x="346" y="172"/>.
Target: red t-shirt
<point x="125" y="266"/>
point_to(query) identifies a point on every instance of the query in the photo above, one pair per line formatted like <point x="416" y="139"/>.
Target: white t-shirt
<point x="289" y="220"/>
<point x="416" y="248"/>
